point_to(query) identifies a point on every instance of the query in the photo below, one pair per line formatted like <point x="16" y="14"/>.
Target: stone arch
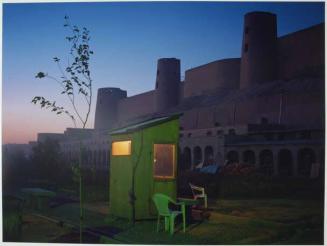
<point x="285" y="163"/>
<point x="197" y="155"/>
<point x="266" y="161"/>
<point x="187" y="159"/>
<point x="306" y="157"/>
<point x="219" y="159"/>
<point x="208" y="155"/>
<point x="179" y="158"/>
<point x="232" y="156"/>
<point x="249" y="157"/>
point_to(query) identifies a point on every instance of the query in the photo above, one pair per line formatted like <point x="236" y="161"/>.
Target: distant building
<point x="42" y="137"/>
<point x="265" y="108"/>
<point x="14" y="149"/>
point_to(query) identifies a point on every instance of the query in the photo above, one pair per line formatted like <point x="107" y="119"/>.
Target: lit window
<point x="164" y="161"/>
<point x="121" y="148"/>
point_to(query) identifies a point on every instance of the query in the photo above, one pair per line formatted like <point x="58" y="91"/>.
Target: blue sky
<point x="127" y="39"/>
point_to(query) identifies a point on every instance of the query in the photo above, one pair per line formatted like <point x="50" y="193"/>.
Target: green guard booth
<point x="144" y="154"/>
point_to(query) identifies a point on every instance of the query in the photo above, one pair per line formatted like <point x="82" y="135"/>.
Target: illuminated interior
<point x="164" y="161"/>
<point x="121" y="148"/>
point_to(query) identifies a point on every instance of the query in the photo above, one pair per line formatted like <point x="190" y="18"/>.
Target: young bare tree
<point x="75" y="82"/>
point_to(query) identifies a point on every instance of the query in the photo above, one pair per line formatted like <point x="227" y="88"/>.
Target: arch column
<point x="275" y="162"/>
<point x="295" y="157"/>
<point x="192" y="158"/>
<point x="257" y="158"/>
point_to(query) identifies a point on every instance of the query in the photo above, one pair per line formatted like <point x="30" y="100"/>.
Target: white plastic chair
<point x="198" y="192"/>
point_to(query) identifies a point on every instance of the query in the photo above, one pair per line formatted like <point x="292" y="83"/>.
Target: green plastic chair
<point x="162" y="201"/>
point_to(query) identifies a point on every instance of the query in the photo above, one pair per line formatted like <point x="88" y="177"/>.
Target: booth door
<point x="120" y="184"/>
<point x="164" y="169"/>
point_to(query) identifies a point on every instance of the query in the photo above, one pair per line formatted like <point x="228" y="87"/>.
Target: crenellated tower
<point x="259" y="49"/>
<point x="167" y="83"/>
<point x="106" y="107"/>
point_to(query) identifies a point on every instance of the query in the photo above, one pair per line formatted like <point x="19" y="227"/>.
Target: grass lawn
<point x="36" y="229"/>
<point x="269" y="221"/>
<point x="242" y="222"/>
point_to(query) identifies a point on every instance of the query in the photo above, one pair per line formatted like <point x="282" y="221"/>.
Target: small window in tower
<point x="189" y="135"/>
<point x="246" y="47"/>
<point x="247" y="29"/>
<point x="209" y="133"/>
<point x="157" y="85"/>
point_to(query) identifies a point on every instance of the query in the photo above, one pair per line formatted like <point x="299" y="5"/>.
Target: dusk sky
<point x="127" y="39"/>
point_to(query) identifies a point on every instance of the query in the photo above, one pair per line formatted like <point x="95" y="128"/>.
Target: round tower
<point x="106" y="108"/>
<point x="167" y="83"/>
<point x="259" y="49"/>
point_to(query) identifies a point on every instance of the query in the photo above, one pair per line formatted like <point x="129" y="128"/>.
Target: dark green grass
<point x="71" y="213"/>
<point x="268" y="221"/>
<point x="39" y="230"/>
<point x="263" y="221"/>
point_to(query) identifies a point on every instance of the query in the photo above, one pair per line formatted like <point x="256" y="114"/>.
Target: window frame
<point x="116" y="141"/>
<point x="160" y="177"/>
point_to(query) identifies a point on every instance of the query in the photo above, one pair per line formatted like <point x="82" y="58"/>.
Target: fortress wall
<point x="246" y="112"/>
<point x="268" y="107"/>
<point x="135" y="106"/>
<point x="189" y="119"/>
<point x="302" y="52"/>
<point x="305" y="109"/>
<point x="222" y="74"/>
<point x="224" y="114"/>
<point x="206" y="117"/>
<point x="302" y="109"/>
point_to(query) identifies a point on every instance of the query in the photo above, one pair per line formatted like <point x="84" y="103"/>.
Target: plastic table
<point x="187" y="204"/>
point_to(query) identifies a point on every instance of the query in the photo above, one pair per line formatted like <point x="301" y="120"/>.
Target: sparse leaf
<point x="40" y="75"/>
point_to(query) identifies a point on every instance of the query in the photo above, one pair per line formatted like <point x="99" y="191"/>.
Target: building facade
<point x="265" y="108"/>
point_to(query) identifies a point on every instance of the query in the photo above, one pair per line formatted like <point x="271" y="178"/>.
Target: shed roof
<point x="144" y="124"/>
